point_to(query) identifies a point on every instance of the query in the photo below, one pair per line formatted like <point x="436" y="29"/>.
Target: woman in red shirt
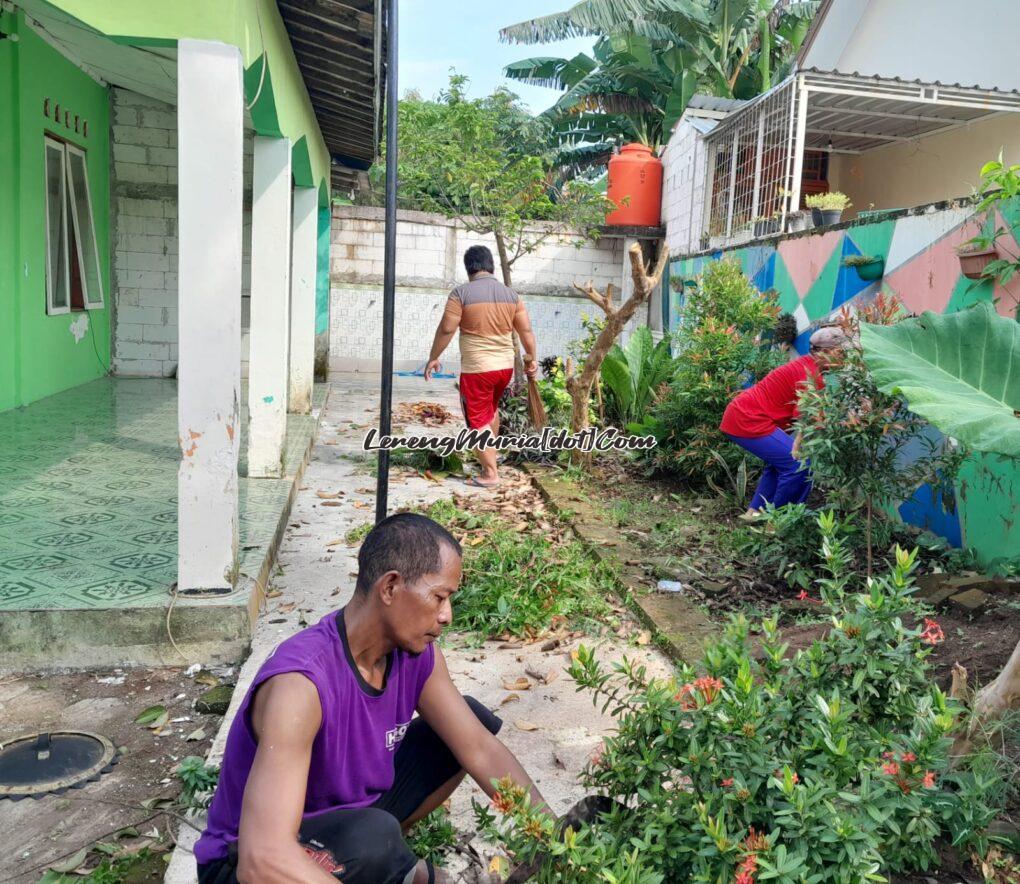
<point x="759" y="419"/>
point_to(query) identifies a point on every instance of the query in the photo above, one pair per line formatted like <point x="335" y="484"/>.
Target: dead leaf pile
<point x="429" y="414"/>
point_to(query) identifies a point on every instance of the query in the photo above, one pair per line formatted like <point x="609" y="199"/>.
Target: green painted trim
<point x="254" y="26"/>
<point x="301" y="164"/>
<point x="258" y="91"/>
<point x="322" y="272"/>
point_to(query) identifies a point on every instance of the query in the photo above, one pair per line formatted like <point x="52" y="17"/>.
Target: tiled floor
<point x="88" y="497"/>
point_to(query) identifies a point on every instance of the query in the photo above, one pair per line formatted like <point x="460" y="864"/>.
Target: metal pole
<point x="390" y="258"/>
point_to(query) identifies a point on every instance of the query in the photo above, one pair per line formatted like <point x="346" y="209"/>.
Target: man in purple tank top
<point x="326" y="765"/>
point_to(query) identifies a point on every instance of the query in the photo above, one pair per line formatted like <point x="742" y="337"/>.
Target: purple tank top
<point x="352" y="756"/>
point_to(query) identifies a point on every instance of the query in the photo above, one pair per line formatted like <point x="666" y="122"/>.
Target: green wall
<point x="255" y="27"/>
<point x="8" y="215"/>
<point x="44" y="356"/>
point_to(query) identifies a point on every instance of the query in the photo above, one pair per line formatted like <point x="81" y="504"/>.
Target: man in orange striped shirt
<point x="487" y="313"/>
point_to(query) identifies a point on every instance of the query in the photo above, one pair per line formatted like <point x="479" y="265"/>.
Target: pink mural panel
<point x="805" y="258"/>
<point x="926" y="282"/>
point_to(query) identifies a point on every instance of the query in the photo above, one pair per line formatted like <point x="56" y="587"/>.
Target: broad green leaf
<point x="960" y="371"/>
<point x="150" y="715"/>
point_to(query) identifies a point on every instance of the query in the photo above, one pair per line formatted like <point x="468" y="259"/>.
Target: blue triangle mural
<point x="765" y="278"/>
<point x="801" y="342"/>
<point x="848" y="283"/>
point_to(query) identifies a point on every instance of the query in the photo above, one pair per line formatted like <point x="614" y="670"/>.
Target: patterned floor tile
<point x="88" y="497"/>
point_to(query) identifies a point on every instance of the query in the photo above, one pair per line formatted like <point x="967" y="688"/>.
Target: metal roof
<point x="339" y="46"/>
<point x="851" y="113"/>
<point x="713" y="103"/>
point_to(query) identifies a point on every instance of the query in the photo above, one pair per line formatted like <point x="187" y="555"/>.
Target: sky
<point x="436" y="35"/>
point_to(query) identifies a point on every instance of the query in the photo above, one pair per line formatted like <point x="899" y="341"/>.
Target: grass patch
<point x="522" y="583"/>
<point x="356" y="535"/>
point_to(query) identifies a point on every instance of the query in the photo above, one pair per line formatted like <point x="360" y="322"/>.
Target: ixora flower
<point x="726" y="783"/>
<point x="707" y="686"/>
<point x="891" y="768"/>
<point x="933" y="633"/>
<point x="928" y="780"/>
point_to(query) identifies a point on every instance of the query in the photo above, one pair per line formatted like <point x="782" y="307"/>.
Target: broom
<point x="536" y="409"/>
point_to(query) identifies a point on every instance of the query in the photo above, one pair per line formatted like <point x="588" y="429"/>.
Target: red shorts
<point x="480" y="393"/>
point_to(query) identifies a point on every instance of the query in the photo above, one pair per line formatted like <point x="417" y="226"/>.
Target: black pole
<point x="390" y="259"/>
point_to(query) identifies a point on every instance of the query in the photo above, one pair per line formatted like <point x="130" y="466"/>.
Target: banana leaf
<point x="960" y="371"/>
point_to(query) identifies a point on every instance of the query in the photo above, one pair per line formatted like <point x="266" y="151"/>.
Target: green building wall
<point x="39" y="355"/>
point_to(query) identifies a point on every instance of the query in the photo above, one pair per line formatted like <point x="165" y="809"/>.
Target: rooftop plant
<point x="834" y="201"/>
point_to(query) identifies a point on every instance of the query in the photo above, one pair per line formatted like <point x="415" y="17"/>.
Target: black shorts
<point x="366" y="845"/>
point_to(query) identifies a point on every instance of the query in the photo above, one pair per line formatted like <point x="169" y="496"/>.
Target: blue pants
<point x="785" y="479"/>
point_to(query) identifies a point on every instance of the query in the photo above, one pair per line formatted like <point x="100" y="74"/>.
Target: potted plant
<point x="766" y="226"/>
<point x="868" y="267"/>
<point x="975" y="256"/>
<point x="799" y="221"/>
<point x="827" y="207"/>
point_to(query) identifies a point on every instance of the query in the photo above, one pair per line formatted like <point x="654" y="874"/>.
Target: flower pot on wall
<point x="872" y="271"/>
<point x="974" y="261"/>
<point x="830" y="216"/>
<point x="766" y="227"/>
<point x="816" y="218"/>
<point x="798" y="221"/>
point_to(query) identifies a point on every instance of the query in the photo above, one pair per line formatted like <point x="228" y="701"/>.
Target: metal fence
<point x="752" y="159"/>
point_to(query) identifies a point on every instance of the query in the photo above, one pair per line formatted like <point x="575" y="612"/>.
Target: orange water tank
<point x="635" y="172"/>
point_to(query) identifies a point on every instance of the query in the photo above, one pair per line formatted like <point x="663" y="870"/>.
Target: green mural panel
<point x="48" y="356"/>
<point x="873" y="239"/>
<point x="988" y="488"/>
<point x="818" y="300"/>
<point x="968" y="292"/>
<point x="783" y="283"/>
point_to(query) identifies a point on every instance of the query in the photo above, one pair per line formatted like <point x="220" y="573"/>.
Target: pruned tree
<point x="579" y="385"/>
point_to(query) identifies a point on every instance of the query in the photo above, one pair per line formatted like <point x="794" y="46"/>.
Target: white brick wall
<point x="683" y="188"/>
<point x="355" y="333"/>
<point x="430" y="249"/>
<point x="144" y="203"/>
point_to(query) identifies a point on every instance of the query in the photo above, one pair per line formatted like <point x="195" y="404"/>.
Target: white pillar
<point x="803" y="98"/>
<point x="302" y="298"/>
<point x="209" y="128"/>
<point x="270" y="307"/>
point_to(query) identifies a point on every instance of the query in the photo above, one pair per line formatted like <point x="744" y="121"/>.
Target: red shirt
<point x="772" y="402"/>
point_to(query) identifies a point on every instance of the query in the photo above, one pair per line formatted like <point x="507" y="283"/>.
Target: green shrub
<point x="198" y="781"/>
<point x="718" y="349"/>
<point x="830" y="765"/>
<point x="632" y="376"/>
<point x="432" y="837"/>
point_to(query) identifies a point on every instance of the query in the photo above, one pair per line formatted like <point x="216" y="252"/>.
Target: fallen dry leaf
<point x="273" y="593"/>
<point x="336" y="541"/>
<point x="644" y="638"/>
<point x="523" y="725"/>
<point x="361" y="505"/>
<point x="328" y="495"/>
<point x="510" y="698"/>
<point x="332" y="503"/>
<point x="519" y="684"/>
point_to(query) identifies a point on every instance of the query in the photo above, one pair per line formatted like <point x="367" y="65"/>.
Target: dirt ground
<point x="38" y="832"/>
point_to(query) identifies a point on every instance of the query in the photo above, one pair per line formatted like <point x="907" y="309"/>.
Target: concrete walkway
<point x="551" y="728"/>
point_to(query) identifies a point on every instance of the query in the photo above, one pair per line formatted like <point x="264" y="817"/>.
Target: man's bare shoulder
<point x="287" y="700"/>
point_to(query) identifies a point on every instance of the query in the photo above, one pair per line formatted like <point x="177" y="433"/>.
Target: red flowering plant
<point x="830" y="764"/>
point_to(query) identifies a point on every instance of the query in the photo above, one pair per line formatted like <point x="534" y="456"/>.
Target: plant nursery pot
<point x="871" y="272"/>
<point x="798" y="222"/>
<point x="766" y="228"/>
<point x="831" y="216"/>
<point x="973" y="263"/>
<point x="816" y="218"/>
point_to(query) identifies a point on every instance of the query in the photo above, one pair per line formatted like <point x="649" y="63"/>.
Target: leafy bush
<point x="830" y="765"/>
<point x="198" y="781"/>
<point x="432" y="837"/>
<point x="633" y="375"/>
<point x="719" y="350"/>
<point x="866" y="448"/>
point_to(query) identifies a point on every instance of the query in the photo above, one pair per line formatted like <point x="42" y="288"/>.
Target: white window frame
<point x="90" y="304"/>
<point x="51" y="308"/>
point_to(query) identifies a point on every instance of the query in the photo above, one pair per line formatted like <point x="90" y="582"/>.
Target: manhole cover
<point x="38" y="764"/>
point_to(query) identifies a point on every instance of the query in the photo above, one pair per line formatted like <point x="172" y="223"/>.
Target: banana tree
<point x="650" y="58"/>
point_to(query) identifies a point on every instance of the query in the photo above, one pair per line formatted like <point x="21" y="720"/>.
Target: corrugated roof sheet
<point x="713" y="103"/>
<point x="339" y="48"/>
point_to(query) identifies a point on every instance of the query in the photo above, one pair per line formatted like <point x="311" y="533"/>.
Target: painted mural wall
<point x="41" y="354"/>
<point x="923" y="271"/>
